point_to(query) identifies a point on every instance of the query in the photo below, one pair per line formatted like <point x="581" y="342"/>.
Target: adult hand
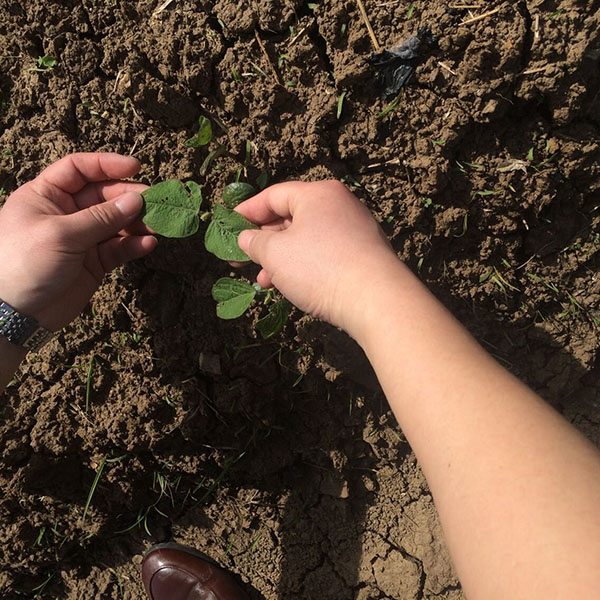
<point x="320" y="247"/>
<point x="63" y="231"/>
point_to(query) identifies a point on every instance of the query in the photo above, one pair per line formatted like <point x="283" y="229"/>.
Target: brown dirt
<point x="285" y="464"/>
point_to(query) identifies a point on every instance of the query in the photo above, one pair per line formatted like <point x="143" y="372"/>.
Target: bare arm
<point x="517" y="488"/>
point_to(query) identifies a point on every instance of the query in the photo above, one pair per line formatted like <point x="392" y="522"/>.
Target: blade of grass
<point x="93" y="488"/>
<point x="340" y="104"/>
<point x="391" y="106"/>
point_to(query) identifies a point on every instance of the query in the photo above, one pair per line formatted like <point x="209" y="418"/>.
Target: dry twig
<point x="446" y="67"/>
<point x="162" y="7"/>
<point x="483" y="16"/>
<point x="363" y="12"/>
<point x="264" y="51"/>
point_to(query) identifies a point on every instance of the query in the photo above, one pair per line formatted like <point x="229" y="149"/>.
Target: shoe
<point x="175" y="572"/>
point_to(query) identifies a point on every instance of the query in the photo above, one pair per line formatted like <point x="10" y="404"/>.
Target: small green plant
<point x="45" y="63"/>
<point x="172" y="211"/>
<point x="204" y="135"/>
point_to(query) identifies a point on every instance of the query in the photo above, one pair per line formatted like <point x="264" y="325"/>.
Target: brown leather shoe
<point x="175" y="572"/>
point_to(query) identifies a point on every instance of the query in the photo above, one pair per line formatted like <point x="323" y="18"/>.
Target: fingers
<point x="254" y="242"/>
<point x="103" y="191"/>
<point x="274" y="203"/>
<point x="103" y="221"/>
<point x="117" y="251"/>
<point x="264" y="279"/>
<point x="73" y="172"/>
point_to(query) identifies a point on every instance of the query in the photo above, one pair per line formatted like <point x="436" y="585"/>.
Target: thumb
<point x="254" y="242"/>
<point x="104" y="220"/>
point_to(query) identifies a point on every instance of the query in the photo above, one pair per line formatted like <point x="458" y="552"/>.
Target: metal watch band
<point x="22" y="330"/>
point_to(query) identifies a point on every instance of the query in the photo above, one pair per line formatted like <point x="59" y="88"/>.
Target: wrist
<point x="380" y="285"/>
<point x="22" y="331"/>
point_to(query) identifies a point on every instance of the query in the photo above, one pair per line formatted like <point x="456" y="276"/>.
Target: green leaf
<point x="170" y="210"/>
<point x="340" y="104"/>
<point x="530" y="154"/>
<point x="262" y="180"/>
<point x="46" y="62"/>
<point x="233" y="297"/>
<point x="236" y="193"/>
<point x="195" y="192"/>
<point x="222" y="234"/>
<point x="204" y="135"/>
<point x="275" y="320"/>
<point x="212" y="155"/>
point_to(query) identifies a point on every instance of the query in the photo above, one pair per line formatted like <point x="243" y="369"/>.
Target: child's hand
<point x="61" y="232"/>
<point x="319" y="246"/>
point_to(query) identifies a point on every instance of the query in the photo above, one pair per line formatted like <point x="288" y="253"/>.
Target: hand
<point x="320" y="247"/>
<point x="63" y="231"/>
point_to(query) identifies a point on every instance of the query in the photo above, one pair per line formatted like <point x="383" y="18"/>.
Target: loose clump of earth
<point x="280" y="459"/>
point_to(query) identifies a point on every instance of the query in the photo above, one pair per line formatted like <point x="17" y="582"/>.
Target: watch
<point x="22" y="330"/>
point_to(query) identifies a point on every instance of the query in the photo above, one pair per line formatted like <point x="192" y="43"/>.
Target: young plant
<point x="234" y="297"/>
<point x="45" y="63"/>
<point x="172" y="210"/>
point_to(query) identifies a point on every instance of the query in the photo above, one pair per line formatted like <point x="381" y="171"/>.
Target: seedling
<point x="204" y="135"/>
<point x="172" y="211"/>
<point x="93" y="488"/>
<point x="233" y="297"/>
<point x="45" y="63"/>
<point x="40" y="588"/>
<point x="340" y="104"/>
<point x="391" y="106"/>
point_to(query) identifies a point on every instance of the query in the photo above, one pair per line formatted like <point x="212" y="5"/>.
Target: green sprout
<point x="45" y="63"/>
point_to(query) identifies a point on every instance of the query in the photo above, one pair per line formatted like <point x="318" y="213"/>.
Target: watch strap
<point x="22" y="330"/>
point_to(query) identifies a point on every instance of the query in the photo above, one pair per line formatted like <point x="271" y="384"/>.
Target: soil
<point x="281" y="459"/>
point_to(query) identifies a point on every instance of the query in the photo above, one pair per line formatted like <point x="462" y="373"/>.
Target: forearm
<point x="10" y="359"/>
<point x="517" y="488"/>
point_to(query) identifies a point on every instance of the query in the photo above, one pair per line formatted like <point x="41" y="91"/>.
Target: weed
<point x="464" y="227"/>
<point x="530" y="154"/>
<point x="340" y="104"/>
<point x="411" y="10"/>
<point x="484" y="193"/>
<point x="391" y="106"/>
<point x="93" y="488"/>
<point x="40" y="588"/>
<point x="475" y="166"/>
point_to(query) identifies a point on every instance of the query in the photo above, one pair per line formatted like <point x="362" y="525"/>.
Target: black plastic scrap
<point x="396" y="66"/>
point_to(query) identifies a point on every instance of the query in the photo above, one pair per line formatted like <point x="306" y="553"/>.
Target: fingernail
<point x="129" y="204"/>
<point x="245" y="238"/>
